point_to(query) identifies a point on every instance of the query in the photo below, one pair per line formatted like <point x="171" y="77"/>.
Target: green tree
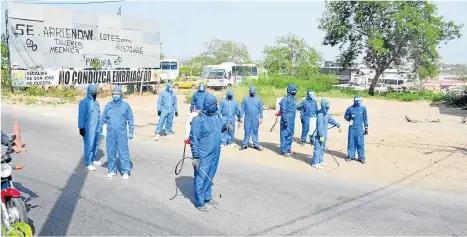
<point x="191" y="70"/>
<point x="292" y="55"/>
<point x="218" y="51"/>
<point x="5" y="64"/>
<point x="386" y="33"/>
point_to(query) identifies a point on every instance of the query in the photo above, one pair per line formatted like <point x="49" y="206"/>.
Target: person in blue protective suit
<point x="117" y="115"/>
<point x="308" y="109"/>
<point x="252" y="107"/>
<point x="288" y="106"/>
<point x="358" y="118"/>
<point x="89" y="112"/>
<point x="323" y="120"/>
<point x="166" y="108"/>
<point x="229" y="109"/>
<point x="205" y="137"/>
<point x="197" y="100"/>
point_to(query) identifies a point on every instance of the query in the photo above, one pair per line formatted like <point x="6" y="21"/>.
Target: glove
<point x="286" y="124"/>
<point x="159" y="113"/>
<point x="82" y="132"/>
<point x="176" y="114"/>
<point x="130" y="136"/>
<point x="340" y="129"/>
<point x="366" y="130"/>
<point x="321" y="139"/>
<point x="195" y="163"/>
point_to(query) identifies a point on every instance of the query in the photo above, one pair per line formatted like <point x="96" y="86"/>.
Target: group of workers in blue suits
<point x="118" y="117"/>
<point x="214" y="128"/>
<point x="356" y="115"/>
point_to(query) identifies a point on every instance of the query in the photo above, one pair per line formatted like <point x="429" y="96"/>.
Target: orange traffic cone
<point x="18" y="147"/>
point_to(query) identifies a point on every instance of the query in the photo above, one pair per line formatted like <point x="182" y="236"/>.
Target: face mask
<point x="170" y="89"/>
<point x="94" y="94"/>
<point x="252" y="94"/>
<point x="358" y="102"/>
<point x="229" y="97"/>
<point x="116" y="98"/>
<point x="201" y="88"/>
<point x="212" y="108"/>
<point x="293" y="93"/>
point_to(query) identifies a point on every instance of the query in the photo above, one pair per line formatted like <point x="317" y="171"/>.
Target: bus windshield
<point x="165" y="65"/>
<point x="205" y="72"/>
<point x="173" y="66"/>
<point x="169" y="65"/>
<point x="216" y="74"/>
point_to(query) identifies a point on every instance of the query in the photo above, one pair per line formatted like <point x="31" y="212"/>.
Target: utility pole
<point x="7" y="42"/>
<point x="119" y="11"/>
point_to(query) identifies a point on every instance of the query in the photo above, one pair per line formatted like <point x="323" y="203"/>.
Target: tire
<point x="193" y="87"/>
<point x="19" y="205"/>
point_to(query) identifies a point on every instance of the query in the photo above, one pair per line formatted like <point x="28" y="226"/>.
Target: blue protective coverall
<point x="322" y="122"/>
<point x="229" y="109"/>
<point x="308" y="109"/>
<point x="117" y="115"/>
<point x="205" y="137"/>
<point x="89" y="112"/>
<point x="252" y="107"/>
<point x="197" y="101"/>
<point x="167" y="104"/>
<point x="357" y="115"/>
<point x="288" y="110"/>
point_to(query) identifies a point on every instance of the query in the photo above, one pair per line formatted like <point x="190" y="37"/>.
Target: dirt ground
<point x="422" y="155"/>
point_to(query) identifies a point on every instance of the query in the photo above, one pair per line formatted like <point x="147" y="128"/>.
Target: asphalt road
<point x="64" y="199"/>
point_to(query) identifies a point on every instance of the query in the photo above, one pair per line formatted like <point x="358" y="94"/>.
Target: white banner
<point x="86" y="77"/>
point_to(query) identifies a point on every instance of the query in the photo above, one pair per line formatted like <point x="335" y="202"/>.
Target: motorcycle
<point x="13" y="207"/>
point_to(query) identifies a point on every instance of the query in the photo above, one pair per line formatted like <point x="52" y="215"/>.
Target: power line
<point x="65" y="3"/>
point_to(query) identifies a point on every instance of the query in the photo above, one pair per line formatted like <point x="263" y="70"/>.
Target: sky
<point x="186" y="25"/>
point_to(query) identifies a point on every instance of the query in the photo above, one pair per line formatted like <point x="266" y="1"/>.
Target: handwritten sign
<point x="63" y="38"/>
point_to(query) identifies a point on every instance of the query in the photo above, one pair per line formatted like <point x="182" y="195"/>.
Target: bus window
<point x="254" y="71"/>
<point x="165" y="65"/>
<point x="173" y="66"/>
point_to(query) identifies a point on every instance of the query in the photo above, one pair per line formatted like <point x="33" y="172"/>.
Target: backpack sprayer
<point x="186" y="141"/>
<point x="278" y="112"/>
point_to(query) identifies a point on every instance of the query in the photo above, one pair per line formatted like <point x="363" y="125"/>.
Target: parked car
<point x="189" y="83"/>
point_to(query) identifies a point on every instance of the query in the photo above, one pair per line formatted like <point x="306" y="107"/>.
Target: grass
<point x="30" y="95"/>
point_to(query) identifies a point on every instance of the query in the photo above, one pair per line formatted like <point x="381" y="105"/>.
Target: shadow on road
<point x="59" y="219"/>
<point x="185" y="185"/>
<point x="106" y="164"/>
<point x="30" y="195"/>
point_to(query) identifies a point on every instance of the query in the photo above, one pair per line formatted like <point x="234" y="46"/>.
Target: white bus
<point x="227" y="74"/>
<point x="169" y="69"/>
<point x="244" y="71"/>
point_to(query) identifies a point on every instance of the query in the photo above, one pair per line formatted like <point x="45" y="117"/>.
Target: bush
<point x="269" y="88"/>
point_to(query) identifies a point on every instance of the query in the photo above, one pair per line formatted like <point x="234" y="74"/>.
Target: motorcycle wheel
<point x="16" y="206"/>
